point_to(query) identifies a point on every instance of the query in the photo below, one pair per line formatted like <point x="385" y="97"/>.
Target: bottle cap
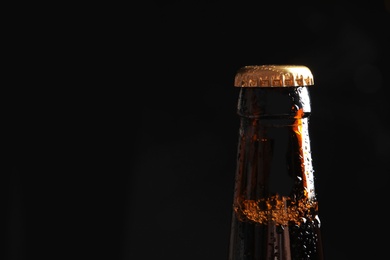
<point x="273" y="76"/>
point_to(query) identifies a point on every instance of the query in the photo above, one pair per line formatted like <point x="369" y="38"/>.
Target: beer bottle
<point x="275" y="208"/>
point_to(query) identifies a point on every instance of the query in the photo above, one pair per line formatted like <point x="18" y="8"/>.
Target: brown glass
<point x="275" y="209"/>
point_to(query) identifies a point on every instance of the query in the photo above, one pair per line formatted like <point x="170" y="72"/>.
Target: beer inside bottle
<point x="275" y="209"/>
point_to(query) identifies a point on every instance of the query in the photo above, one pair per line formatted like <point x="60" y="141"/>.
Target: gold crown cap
<point x="273" y="76"/>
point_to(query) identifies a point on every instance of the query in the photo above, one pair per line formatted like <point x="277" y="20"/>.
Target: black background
<point x="123" y="125"/>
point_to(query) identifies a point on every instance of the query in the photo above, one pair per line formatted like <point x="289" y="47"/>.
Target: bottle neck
<point x="274" y="158"/>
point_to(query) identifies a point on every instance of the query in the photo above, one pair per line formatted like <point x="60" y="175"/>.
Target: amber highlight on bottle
<point x="275" y="209"/>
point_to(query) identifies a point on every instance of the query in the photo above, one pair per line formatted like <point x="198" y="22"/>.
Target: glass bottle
<point x="275" y="209"/>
